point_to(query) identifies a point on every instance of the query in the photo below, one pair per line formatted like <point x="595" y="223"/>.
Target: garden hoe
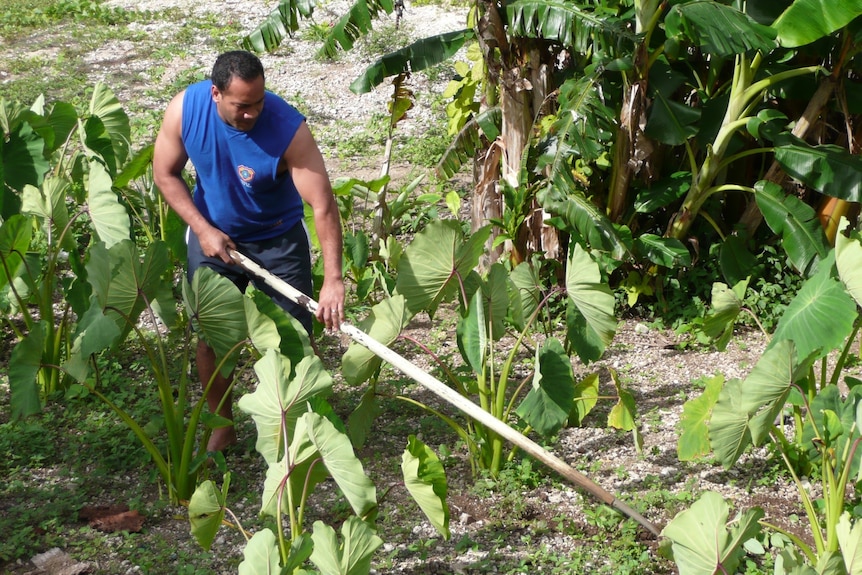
<point x="451" y="396"/>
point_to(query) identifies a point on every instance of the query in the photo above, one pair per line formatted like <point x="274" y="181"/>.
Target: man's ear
<point x="216" y="95"/>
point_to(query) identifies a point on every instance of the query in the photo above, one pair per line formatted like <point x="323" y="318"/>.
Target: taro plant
<point x="795" y="405"/>
<point x="304" y="443"/>
<point x="437" y="267"/>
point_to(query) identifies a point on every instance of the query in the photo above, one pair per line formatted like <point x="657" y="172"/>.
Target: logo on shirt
<point x="246" y="174"/>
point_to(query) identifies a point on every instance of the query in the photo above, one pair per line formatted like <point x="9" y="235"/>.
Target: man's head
<point x="238" y="88"/>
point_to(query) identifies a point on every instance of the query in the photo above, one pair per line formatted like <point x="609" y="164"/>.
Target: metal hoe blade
<point x="451" y="396"/>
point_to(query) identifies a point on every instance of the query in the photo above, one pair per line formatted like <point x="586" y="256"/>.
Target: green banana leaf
<point x="582" y="217"/>
<point x="435" y="262"/>
<point x="805" y="21"/>
<point x="667" y="252"/>
<point x="848" y="259"/>
<point x="718" y="29"/>
<point x="565" y="22"/>
<point x="418" y="56"/>
<point x="831" y="170"/>
<point x="425" y="479"/>
<point x="353" y="25"/>
<point x="801" y="233"/>
<point x="469" y="139"/>
<point x="281" y="22"/>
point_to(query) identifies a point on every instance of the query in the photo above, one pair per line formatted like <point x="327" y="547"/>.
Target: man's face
<point x="240" y="104"/>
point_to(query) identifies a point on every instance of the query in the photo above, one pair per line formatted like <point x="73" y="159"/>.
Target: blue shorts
<point x="287" y="256"/>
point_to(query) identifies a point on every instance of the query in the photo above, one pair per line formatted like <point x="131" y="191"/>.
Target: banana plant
<point x="822" y="321"/>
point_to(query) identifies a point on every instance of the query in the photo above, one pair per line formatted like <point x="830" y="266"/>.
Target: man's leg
<point x="223" y="436"/>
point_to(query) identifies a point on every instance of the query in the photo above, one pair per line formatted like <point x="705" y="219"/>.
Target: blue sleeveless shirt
<point x="237" y="187"/>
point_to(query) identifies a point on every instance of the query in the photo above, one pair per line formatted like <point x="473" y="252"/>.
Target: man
<point x="255" y="162"/>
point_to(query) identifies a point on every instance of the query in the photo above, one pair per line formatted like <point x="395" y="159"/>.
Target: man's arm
<point x="308" y="171"/>
<point x="169" y="161"/>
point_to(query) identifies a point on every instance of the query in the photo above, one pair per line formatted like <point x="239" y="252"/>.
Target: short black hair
<point x="237" y="63"/>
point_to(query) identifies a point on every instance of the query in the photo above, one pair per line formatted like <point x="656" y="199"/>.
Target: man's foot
<point x="222" y="438"/>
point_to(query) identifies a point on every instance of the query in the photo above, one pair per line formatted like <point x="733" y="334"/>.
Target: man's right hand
<point x="216" y="244"/>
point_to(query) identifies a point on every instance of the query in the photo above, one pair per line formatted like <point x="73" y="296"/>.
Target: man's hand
<point x="216" y="244"/>
<point x="330" y="304"/>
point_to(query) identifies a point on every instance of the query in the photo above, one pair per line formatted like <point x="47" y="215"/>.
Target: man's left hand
<point x="330" y="305"/>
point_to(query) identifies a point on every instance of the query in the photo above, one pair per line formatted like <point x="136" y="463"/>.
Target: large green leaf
<point x="850" y="542"/>
<point x="548" y="403"/>
<point x="419" y="55"/>
<point x="831" y="170"/>
<point x="24" y="363"/>
<point x="694" y="438"/>
<point x="590" y="314"/>
<point x="124" y="283"/>
<point x="429" y="270"/>
<point x="341" y="462"/>
<point x="352" y="556"/>
<point x="820" y="318"/>
<point x="206" y="512"/>
<point x="270" y="327"/>
<point x="94" y="333"/>
<point x="582" y="217"/>
<point x="216" y="308"/>
<point x="469" y="140"/>
<point x="62" y="119"/>
<point x="353" y="25"/>
<point x="383" y="324"/>
<point x="279" y="400"/>
<point x="701" y="542"/>
<point x="671" y="122"/>
<point x="260" y="555"/>
<point x="472" y="335"/>
<point x="667" y="252"/>
<point x="805" y="21"/>
<point x="109" y="217"/>
<point x="105" y="106"/>
<point x="529" y="286"/>
<point x="848" y="259"/>
<point x="281" y="22"/>
<point x="23" y="158"/>
<point x="718" y="29"/>
<point x="425" y="479"/>
<point x="15" y="234"/>
<point x="801" y="233"/>
<point x="746" y="411"/>
<point x="728" y="431"/>
<point x="48" y="203"/>
<point x="565" y="22"/>
<point x="725" y="307"/>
